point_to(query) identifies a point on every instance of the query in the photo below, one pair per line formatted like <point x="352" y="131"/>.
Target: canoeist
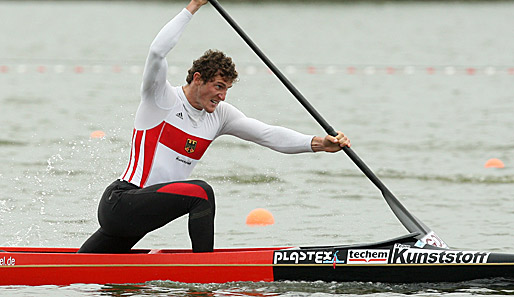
<point x="173" y="128"/>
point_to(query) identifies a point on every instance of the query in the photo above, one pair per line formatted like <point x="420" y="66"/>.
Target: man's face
<point x="209" y="94"/>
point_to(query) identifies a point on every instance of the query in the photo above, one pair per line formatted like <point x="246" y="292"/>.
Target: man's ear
<point x="197" y="78"/>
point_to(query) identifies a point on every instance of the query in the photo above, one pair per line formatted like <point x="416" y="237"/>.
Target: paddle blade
<point x="413" y="224"/>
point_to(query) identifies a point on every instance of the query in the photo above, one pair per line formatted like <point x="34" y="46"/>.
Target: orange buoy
<point x="260" y="217"/>
<point x="494" y="163"/>
<point x="97" y="134"/>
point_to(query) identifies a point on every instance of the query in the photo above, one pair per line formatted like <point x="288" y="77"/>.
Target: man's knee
<point x="206" y="187"/>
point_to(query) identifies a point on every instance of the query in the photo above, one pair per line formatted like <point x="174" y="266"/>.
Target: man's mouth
<point x="214" y="102"/>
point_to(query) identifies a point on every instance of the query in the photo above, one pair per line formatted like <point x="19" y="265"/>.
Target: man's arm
<point x="155" y="84"/>
<point x="275" y="137"/>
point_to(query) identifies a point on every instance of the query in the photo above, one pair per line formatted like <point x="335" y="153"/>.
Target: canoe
<point x="399" y="260"/>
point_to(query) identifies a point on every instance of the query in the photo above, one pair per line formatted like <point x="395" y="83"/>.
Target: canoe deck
<point x="399" y="260"/>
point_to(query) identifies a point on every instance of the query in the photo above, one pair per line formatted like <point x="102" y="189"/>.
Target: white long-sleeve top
<point x="170" y="135"/>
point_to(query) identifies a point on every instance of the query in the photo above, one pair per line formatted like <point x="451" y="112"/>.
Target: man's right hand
<point x="194" y="5"/>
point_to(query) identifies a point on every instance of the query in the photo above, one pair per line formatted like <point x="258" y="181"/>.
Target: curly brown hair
<point x="211" y="63"/>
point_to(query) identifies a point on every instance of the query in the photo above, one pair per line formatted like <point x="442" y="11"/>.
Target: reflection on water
<point x="288" y="288"/>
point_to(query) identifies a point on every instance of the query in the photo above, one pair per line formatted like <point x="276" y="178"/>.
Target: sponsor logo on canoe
<point x="404" y="254"/>
<point x="4" y="261"/>
<point x="306" y="257"/>
<point x="431" y="239"/>
<point x="190" y="145"/>
<point x="368" y="256"/>
<point x="335" y="260"/>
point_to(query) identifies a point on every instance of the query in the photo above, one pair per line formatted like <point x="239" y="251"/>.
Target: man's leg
<point x="127" y="213"/>
<point x="100" y="242"/>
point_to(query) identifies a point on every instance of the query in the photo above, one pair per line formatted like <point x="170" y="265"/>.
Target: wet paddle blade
<point x="412" y="223"/>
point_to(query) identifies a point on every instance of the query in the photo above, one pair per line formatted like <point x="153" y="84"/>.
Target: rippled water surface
<point x="425" y="91"/>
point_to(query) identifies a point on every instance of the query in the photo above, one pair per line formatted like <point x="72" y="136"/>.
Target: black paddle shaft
<point x="275" y="70"/>
<point x="411" y="223"/>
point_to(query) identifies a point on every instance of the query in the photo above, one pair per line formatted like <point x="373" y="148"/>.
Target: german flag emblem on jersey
<point x="190" y="146"/>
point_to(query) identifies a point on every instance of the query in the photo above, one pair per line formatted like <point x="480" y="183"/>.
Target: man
<point x="173" y="128"/>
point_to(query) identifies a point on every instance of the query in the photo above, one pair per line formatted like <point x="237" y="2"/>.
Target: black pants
<point x="127" y="213"/>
